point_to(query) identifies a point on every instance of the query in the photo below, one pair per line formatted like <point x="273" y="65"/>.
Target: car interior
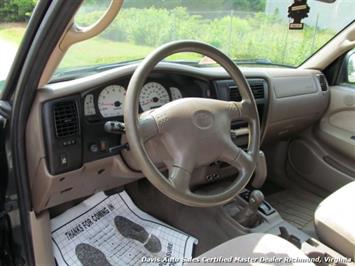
<point x="251" y="161"/>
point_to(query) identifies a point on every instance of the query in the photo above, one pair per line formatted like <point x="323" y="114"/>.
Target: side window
<point x="14" y="17"/>
<point x="351" y="68"/>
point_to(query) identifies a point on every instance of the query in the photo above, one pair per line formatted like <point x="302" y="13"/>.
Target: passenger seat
<point x="335" y="220"/>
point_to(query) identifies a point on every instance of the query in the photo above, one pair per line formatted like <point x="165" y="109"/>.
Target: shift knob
<point x="248" y="216"/>
<point x="255" y="199"/>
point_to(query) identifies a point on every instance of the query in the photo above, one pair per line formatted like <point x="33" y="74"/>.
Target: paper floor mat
<point x="111" y="230"/>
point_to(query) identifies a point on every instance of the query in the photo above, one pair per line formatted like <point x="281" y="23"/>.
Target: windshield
<point x="250" y="32"/>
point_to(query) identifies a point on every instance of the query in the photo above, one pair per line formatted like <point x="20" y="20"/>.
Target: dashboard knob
<point x="94" y="148"/>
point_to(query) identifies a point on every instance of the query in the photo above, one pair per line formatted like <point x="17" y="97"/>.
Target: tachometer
<point x="153" y="95"/>
<point x="175" y="93"/>
<point x="111" y="101"/>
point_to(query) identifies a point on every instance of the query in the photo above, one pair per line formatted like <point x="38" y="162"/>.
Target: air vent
<point x="66" y="119"/>
<point x="323" y="82"/>
<point x="256" y="87"/>
<point x="234" y="94"/>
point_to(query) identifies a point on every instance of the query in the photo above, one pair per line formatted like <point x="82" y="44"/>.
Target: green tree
<point x="16" y="10"/>
<point x="249" y="5"/>
<point x="198" y="5"/>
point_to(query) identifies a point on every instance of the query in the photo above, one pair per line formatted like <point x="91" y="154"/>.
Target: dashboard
<point x="74" y="155"/>
<point x="69" y="147"/>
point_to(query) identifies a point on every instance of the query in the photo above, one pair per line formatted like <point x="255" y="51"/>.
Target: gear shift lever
<point x="248" y="216"/>
<point x="255" y="199"/>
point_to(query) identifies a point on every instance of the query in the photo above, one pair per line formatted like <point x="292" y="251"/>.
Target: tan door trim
<point x="74" y="34"/>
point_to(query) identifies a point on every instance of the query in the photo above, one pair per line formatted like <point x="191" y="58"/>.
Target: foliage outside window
<point x="351" y="68"/>
<point x="254" y="30"/>
<point x="16" y="10"/>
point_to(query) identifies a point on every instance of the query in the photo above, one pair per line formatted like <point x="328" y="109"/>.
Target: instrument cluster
<point x="111" y="99"/>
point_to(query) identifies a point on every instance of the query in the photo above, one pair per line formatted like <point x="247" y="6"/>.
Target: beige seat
<point x="257" y="247"/>
<point x="335" y="220"/>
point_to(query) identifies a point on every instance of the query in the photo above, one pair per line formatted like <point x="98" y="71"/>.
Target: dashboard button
<point x="63" y="159"/>
<point x="94" y="148"/>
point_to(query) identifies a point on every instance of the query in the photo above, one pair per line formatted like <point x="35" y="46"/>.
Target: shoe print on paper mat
<point x="111" y="230"/>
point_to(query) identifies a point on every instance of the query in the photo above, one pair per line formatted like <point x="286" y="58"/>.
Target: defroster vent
<point x="66" y="119"/>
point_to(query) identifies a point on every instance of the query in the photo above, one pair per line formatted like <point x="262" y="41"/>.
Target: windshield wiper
<point x="259" y="61"/>
<point x="75" y="73"/>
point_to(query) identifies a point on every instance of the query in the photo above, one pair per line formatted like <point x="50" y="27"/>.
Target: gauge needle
<point x="144" y="103"/>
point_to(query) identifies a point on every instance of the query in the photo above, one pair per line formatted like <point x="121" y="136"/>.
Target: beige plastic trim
<point x="337" y="126"/>
<point x="74" y="34"/>
<point x="50" y="190"/>
<point x="79" y="34"/>
<point x="342" y="43"/>
<point x="41" y="238"/>
<point x="307" y="162"/>
<point x="293" y="110"/>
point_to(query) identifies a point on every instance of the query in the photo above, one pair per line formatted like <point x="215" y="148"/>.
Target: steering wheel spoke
<point x="238" y="158"/>
<point x="180" y="178"/>
<point x="242" y="110"/>
<point x="147" y="127"/>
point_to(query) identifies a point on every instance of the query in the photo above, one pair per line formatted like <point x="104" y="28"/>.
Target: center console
<point x="250" y="213"/>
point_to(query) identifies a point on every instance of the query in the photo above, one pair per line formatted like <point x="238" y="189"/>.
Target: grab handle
<point x="77" y="34"/>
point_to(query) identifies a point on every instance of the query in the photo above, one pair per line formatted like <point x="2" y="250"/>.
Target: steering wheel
<point x="194" y="131"/>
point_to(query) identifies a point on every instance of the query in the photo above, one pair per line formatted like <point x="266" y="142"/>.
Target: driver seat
<point x="257" y="248"/>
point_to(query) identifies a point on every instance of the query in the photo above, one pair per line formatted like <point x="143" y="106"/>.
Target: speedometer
<point x="111" y="101"/>
<point x="153" y="95"/>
